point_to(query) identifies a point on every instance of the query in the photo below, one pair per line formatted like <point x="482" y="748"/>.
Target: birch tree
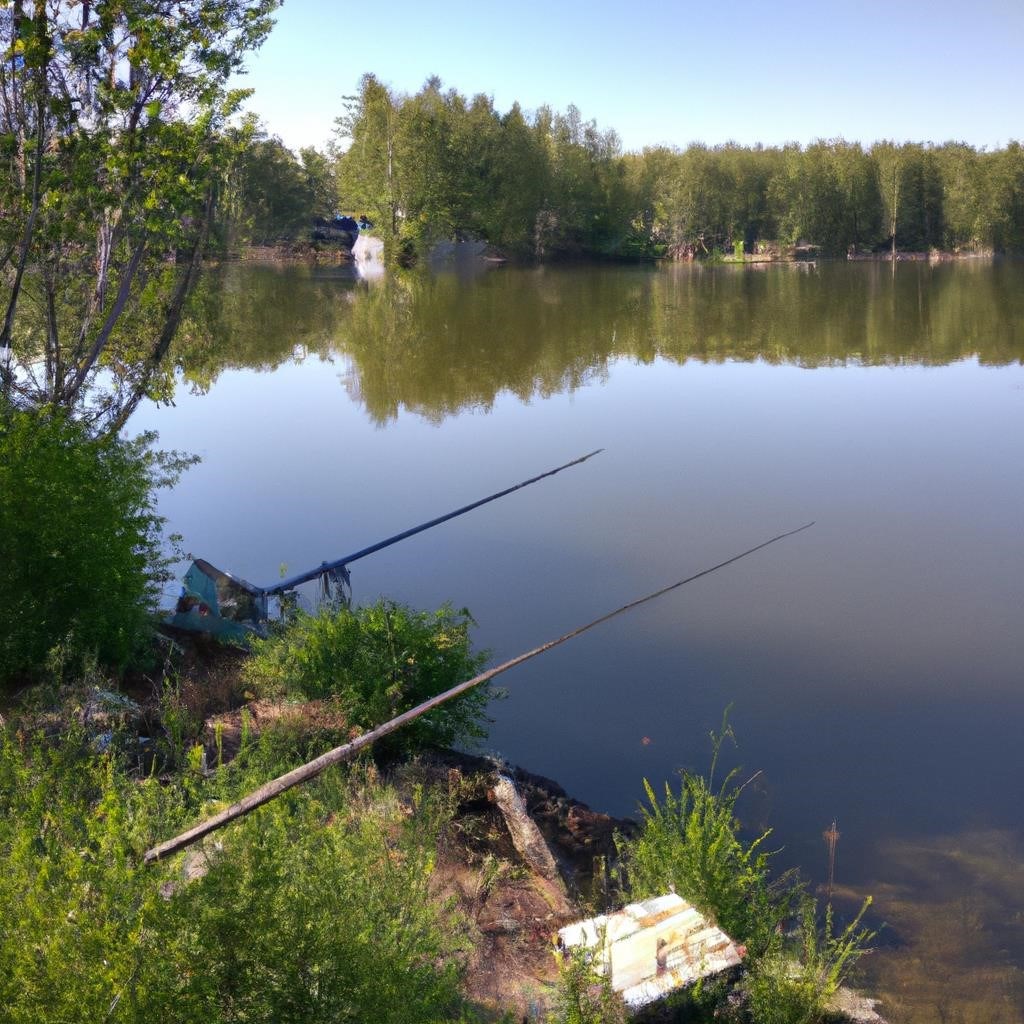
<point x="110" y="118"/>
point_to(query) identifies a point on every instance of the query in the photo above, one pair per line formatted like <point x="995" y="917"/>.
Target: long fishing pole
<point x="340" y="563"/>
<point x="311" y="769"/>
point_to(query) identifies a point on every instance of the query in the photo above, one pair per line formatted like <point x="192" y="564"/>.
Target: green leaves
<point x="316" y="910"/>
<point x="378" y="661"/>
<point x="115" y="114"/>
<point x="691" y="842"/>
<point x="795" y="986"/>
<point x="81" y="558"/>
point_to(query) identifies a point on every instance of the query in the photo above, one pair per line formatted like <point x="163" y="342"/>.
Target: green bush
<point x="314" y="909"/>
<point x="692" y="843"/>
<point x="379" y="661"/>
<point x="795" y="986"/>
<point x="80" y="544"/>
<point x="584" y="996"/>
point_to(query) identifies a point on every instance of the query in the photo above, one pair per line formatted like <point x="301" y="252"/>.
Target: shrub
<point x="584" y="996"/>
<point x="691" y="842"/>
<point x="315" y="909"/>
<point x="80" y="543"/>
<point x="795" y="987"/>
<point x="379" y="661"/>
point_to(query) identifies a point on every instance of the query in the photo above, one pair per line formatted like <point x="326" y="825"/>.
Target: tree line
<point x="438" y="165"/>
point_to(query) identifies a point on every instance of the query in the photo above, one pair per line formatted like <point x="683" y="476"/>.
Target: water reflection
<point x="439" y="344"/>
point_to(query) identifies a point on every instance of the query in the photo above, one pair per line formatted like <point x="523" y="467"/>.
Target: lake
<point x="873" y="663"/>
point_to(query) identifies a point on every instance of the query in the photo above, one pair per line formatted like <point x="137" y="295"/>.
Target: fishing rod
<point x="218" y="603"/>
<point x="340" y="564"/>
<point x="346" y="751"/>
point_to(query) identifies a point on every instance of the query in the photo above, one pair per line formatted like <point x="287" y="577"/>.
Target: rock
<point x="854" y="1008"/>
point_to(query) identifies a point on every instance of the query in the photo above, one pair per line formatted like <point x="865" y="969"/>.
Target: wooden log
<point x="526" y="837"/>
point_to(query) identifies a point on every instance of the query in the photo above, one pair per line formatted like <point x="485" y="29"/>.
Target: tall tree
<point x="267" y="195"/>
<point x="367" y="171"/>
<point x="1005" y="174"/>
<point x="891" y="161"/>
<point x="110" y="113"/>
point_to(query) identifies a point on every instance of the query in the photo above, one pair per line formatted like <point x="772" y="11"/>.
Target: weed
<point x="795" y="987"/>
<point x="690" y="842"/>
<point x="584" y="996"/>
<point x="317" y="908"/>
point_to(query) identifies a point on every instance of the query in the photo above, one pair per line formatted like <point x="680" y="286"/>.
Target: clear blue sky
<point x="669" y="71"/>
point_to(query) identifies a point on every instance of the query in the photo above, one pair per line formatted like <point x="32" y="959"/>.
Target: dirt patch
<point x="308" y="718"/>
<point x="513" y="913"/>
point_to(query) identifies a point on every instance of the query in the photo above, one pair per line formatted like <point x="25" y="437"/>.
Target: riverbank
<point x="515" y="859"/>
<point x="292" y="252"/>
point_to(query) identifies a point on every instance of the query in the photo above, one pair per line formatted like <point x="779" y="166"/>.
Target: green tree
<point x="922" y="218"/>
<point x="695" y="201"/>
<point x="911" y="192"/>
<point x="964" y="196"/>
<point x="367" y="172"/>
<point x="321" y="181"/>
<point x="1005" y="180"/>
<point x="267" y="195"/>
<point x="748" y="172"/>
<point x="111" y="118"/>
<point x="517" y="186"/>
<point x="429" y="162"/>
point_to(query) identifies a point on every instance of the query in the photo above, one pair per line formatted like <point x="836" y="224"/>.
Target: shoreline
<point x="314" y="253"/>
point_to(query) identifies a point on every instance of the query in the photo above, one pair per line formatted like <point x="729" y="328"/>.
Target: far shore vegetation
<point x="439" y="165"/>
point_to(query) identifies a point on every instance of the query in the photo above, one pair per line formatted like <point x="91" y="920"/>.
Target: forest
<point x="544" y="184"/>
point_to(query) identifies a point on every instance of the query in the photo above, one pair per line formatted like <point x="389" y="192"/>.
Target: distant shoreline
<point x="287" y="252"/>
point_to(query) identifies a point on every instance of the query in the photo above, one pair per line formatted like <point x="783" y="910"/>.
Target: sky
<point x="669" y="72"/>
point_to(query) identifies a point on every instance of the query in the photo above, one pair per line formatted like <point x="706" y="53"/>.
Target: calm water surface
<point x="873" y="663"/>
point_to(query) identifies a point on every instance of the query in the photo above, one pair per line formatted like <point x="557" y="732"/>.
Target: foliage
<point x="267" y="194"/>
<point x="111" y="146"/>
<point x="691" y="843"/>
<point x="437" y="164"/>
<point x="379" y="660"/>
<point x="786" y="989"/>
<point x="583" y="995"/>
<point x="367" y="175"/>
<point x="80" y="542"/>
<point x="315" y="909"/>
